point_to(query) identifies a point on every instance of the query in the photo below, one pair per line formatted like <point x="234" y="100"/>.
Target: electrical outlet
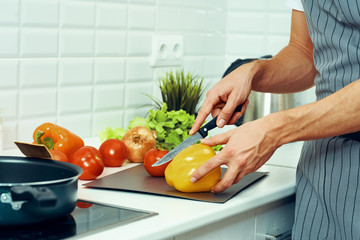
<point x="167" y="50"/>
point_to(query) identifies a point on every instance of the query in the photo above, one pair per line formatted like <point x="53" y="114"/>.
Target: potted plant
<point x="180" y="90"/>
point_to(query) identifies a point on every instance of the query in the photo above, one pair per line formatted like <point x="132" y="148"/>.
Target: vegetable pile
<point x="171" y="127"/>
<point x="144" y="140"/>
<point x="66" y="146"/>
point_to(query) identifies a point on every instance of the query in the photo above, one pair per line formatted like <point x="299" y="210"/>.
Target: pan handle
<point x="6" y="198"/>
<point x="42" y="195"/>
<point x="18" y="195"/>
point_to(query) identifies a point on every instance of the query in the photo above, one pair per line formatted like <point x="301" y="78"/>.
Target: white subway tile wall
<point x="85" y="64"/>
<point x="9" y="37"/>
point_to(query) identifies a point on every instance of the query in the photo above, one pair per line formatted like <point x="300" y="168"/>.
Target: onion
<point x="138" y="141"/>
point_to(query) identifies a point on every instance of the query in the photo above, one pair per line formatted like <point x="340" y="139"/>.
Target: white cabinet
<point x="275" y="220"/>
<point x="262" y="223"/>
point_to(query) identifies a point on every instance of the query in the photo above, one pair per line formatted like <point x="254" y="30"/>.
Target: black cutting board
<point x="136" y="179"/>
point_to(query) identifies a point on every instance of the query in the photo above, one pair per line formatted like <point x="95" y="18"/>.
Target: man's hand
<point x="222" y="99"/>
<point x="247" y="148"/>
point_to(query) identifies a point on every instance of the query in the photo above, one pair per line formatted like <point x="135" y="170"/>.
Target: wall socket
<point x="167" y="50"/>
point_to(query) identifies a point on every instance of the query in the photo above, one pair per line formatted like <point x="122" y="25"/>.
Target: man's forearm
<point x="334" y="115"/>
<point x="291" y="70"/>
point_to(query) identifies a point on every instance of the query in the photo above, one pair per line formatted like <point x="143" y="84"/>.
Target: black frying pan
<point x="34" y="190"/>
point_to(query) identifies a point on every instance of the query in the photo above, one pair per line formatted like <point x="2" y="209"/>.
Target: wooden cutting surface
<point x="33" y="150"/>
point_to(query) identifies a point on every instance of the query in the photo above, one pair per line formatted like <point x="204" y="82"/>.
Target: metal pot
<point x="262" y="104"/>
<point x="34" y="190"/>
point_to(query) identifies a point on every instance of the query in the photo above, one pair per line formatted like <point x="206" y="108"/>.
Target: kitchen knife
<point x="202" y="133"/>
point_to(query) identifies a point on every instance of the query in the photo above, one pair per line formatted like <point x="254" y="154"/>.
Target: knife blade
<point x="202" y="133"/>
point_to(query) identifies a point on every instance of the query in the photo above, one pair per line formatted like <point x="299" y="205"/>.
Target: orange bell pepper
<point x="58" y="138"/>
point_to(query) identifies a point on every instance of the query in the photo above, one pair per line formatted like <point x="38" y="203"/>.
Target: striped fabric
<point x="327" y="196"/>
<point x="328" y="174"/>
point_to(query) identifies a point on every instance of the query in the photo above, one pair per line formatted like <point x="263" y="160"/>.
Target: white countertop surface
<point x="287" y="155"/>
<point x="176" y="216"/>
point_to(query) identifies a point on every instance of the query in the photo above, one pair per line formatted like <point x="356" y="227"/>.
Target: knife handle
<point x="212" y="124"/>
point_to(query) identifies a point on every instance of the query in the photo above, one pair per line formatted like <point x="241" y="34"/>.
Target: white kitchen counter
<point x="176" y="217"/>
<point x="286" y="156"/>
<point x="183" y="219"/>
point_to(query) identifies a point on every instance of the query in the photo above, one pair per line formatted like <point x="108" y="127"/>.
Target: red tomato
<point x="58" y="155"/>
<point x="81" y="204"/>
<point x="113" y="152"/>
<point x="89" y="159"/>
<point x="150" y="158"/>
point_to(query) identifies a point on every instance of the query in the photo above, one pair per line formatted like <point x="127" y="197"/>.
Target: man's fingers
<point x="228" y="111"/>
<point x="218" y="139"/>
<point x="239" y="177"/>
<point x="202" y="114"/>
<point x="198" y="122"/>
<point x="237" y="115"/>
<point x="226" y="181"/>
<point x="205" y="168"/>
<point x="234" y="118"/>
<point x="224" y="109"/>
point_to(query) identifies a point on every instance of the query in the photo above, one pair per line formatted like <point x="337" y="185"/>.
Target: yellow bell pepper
<point x="180" y="169"/>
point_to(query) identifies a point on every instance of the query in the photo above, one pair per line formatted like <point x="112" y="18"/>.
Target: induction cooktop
<point x="86" y="218"/>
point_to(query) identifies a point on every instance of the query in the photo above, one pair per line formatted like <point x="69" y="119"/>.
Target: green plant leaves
<point x="180" y="91"/>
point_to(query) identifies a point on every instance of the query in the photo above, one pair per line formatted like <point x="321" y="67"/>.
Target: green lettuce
<point x="172" y="127"/>
<point x="112" y="133"/>
<point x="118" y="133"/>
<point x="137" y="121"/>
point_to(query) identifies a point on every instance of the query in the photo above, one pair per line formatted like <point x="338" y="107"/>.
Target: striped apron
<point x="328" y="173"/>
